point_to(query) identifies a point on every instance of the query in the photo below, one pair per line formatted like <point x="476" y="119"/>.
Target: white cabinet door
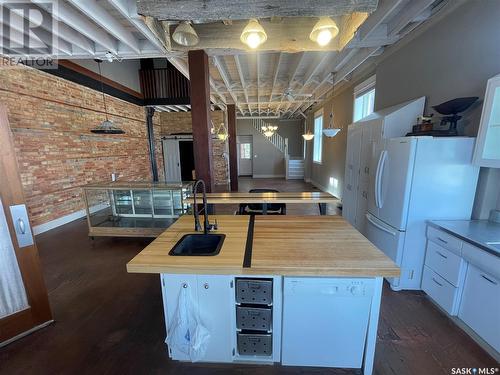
<point x="487" y="151"/>
<point x="216" y="312"/>
<point x="171" y="287"/>
<point x="354" y="134"/>
<point x="480" y="305"/>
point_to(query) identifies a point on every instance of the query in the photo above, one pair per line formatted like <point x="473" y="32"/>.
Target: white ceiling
<point x="254" y="81"/>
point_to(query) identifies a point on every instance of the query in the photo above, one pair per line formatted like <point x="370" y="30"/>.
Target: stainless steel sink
<point x="198" y="245"/>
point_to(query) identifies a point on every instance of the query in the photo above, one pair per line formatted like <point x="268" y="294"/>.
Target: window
<point x="364" y="99"/>
<point x="245" y="151"/>
<point x="318" y="137"/>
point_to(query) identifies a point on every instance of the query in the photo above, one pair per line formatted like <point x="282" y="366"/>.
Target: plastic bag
<point x="188" y="335"/>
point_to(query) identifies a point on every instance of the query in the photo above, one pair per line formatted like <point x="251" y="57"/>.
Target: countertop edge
<point x="480" y="245"/>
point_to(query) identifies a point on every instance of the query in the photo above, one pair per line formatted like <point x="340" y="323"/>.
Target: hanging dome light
<point x="308" y="136"/>
<point x="185" y="35"/>
<point x="331" y="131"/>
<point x="106" y="127"/>
<point x="253" y="34"/>
<point x="324" y="31"/>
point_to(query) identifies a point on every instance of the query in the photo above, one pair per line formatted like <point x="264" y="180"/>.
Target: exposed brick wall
<point x="180" y="122"/>
<point x="51" y="119"/>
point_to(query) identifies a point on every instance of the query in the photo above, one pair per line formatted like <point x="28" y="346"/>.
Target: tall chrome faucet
<point x="207" y="227"/>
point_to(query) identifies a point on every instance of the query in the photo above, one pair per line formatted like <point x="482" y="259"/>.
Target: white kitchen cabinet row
<point x="330" y="322"/>
<point x="464" y="280"/>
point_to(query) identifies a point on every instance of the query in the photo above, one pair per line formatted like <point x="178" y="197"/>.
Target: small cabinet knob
<point x="184" y="285"/>
<point x="205" y="285"/>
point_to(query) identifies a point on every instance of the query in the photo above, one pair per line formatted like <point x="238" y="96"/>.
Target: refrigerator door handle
<point x="378" y="178"/>
<point x="379" y="226"/>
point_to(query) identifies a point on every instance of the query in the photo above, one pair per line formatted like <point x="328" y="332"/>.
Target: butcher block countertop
<point x="281" y="245"/>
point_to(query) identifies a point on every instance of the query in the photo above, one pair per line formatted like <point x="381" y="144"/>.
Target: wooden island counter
<point x="316" y="280"/>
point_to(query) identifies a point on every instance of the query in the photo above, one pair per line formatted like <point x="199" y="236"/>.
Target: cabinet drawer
<point x="254" y="291"/>
<point x="482" y="259"/>
<point x="253" y="318"/>
<point x="444" y="239"/>
<point x="480" y="305"/>
<point x="447" y="264"/>
<point x="440" y="290"/>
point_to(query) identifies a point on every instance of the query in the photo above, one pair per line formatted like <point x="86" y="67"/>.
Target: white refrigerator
<point x="412" y="180"/>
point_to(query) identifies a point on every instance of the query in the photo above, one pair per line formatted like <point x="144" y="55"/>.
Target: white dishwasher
<point x="325" y="321"/>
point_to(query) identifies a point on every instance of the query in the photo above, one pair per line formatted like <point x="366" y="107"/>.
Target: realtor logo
<point x="28" y="29"/>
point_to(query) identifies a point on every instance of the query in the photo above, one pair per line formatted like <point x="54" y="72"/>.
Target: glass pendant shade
<point x="185" y="35"/>
<point x="253" y="35"/>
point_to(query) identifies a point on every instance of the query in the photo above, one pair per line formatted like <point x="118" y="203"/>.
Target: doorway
<point x="245" y="153"/>
<point x="178" y="157"/>
<point x="187" y="159"/>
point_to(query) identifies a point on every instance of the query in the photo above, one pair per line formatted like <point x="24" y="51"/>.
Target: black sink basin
<point x="198" y="244"/>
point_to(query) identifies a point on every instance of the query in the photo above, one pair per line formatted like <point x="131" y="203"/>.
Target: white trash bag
<point x="187" y="334"/>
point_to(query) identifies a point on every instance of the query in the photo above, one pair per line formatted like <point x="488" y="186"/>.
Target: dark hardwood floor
<point x="111" y="322"/>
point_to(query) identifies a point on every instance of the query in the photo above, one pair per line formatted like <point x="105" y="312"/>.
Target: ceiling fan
<point x="289" y="95"/>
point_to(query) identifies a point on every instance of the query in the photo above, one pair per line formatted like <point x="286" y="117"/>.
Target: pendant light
<point x="331" y="131"/>
<point x="106" y="127"/>
<point x="324" y="31"/>
<point x="308" y="136"/>
<point x="185" y="35"/>
<point x="253" y="34"/>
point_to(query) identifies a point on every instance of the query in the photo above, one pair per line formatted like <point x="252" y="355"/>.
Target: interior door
<point x="24" y="303"/>
<point x="245" y="153"/>
<point x="172" y="160"/>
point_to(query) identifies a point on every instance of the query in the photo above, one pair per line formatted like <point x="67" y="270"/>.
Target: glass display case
<point x="134" y="209"/>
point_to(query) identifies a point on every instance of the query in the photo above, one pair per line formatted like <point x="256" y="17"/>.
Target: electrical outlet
<point x="113" y="176"/>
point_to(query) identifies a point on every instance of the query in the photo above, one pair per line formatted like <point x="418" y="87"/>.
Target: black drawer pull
<point x="488" y="279"/>
<point x="441" y="254"/>
<point x="437" y="282"/>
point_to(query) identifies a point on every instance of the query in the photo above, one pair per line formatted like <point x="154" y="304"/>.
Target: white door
<point x="172" y="160"/>
<point x="245" y="155"/>
<point x="216" y="313"/>
<point x="392" y="181"/>
<point x="354" y="133"/>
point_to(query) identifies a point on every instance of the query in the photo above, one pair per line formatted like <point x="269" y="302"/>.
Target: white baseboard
<point x="38" y="229"/>
<point x="268" y="176"/>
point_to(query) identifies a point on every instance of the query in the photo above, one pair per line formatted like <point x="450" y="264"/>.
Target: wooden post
<point x="233" y="157"/>
<point x="200" y="113"/>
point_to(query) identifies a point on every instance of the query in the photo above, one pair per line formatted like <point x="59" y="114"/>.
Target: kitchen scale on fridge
<point x="450" y="110"/>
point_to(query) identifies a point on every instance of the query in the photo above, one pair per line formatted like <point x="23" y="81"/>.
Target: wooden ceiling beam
<point x="242" y="81"/>
<point x="149" y="27"/>
<point x="222" y="72"/>
<point x="93" y="10"/>
<point x="72" y="18"/>
<point x="289" y="35"/>
<point x="220" y="10"/>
